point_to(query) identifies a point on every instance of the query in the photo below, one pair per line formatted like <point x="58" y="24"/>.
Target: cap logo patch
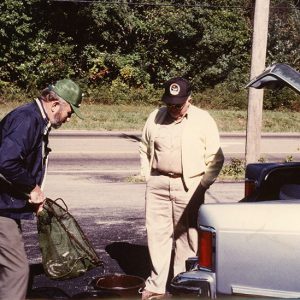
<point x="174" y="89"/>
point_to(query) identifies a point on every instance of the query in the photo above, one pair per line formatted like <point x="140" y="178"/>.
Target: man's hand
<point x="37" y="197"/>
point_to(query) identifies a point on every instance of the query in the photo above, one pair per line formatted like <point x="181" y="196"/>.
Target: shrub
<point x="235" y="169"/>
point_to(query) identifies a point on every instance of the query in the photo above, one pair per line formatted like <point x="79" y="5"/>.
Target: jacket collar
<point x="44" y="115"/>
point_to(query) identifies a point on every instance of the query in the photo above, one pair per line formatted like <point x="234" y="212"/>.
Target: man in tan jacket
<point x="180" y="158"/>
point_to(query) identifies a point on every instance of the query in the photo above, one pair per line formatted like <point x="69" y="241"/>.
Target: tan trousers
<point x="14" y="267"/>
<point x="171" y="214"/>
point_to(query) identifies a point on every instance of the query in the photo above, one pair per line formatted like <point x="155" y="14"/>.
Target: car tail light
<point x="206" y="248"/>
<point x="249" y="187"/>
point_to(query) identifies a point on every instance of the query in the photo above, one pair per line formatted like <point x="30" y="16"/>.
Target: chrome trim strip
<point x="190" y="280"/>
<point x="236" y="289"/>
<point x="207" y="228"/>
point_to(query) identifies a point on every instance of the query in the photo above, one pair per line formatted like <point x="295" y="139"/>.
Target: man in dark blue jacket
<point x="23" y="164"/>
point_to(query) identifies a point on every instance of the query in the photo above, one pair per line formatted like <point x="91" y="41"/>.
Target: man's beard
<point x="56" y="122"/>
<point x="56" y="125"/>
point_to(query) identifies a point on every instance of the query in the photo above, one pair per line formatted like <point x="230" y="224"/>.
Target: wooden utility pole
<point x="255" y="96"/>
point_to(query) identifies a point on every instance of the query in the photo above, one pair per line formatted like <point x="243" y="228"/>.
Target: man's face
<point x="177" y="111"/>
<point x="62" y="113"/>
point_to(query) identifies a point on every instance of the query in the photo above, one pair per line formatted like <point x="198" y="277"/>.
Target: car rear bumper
<point x="197" y="282"/>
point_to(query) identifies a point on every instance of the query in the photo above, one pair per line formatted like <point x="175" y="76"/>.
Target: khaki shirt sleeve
<point x="144" y="158"/>
<point x="145" y="149"/>
<point x="214" y="157"/>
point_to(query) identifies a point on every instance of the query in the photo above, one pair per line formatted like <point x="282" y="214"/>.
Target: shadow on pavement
<point x="132" y="259"/>
<point x="42" y="292"/>
<point x="34" y="270"/>
<point x="131" y="136"/>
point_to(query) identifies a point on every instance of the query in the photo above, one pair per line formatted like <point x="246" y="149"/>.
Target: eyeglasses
<point x="175" y="106"/>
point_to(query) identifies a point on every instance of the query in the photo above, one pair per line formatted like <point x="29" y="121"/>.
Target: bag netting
<point x="66" y="252"/>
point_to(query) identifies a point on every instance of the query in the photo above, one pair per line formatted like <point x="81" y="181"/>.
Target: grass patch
<point x="132" y="118"/>
<point x="135" y="179"/>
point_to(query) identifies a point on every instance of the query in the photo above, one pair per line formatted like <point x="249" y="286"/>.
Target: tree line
<point x="123" y="50"/>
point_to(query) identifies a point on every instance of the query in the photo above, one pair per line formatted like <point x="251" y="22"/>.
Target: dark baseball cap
<point x="70" y="92"/>
<point x="177" y="91"/>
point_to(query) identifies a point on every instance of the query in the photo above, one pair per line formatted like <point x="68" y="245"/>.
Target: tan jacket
<point x="201" y="151"/>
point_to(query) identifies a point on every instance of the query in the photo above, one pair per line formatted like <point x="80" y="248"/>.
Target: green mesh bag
<point x="66" y="252"/>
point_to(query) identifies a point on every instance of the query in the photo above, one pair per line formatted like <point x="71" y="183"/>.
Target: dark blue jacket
<point x="23" y="151"/>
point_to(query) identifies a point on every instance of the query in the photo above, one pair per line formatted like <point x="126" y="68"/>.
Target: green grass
<point x="133" y="117"/>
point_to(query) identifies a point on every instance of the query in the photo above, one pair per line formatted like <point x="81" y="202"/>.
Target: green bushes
<point x="235" y="169"/>
<point x="119" y="93"/>
<point x="123" y="51"/>
<point x="222" y="97"/>
<point x="130" y="49"/>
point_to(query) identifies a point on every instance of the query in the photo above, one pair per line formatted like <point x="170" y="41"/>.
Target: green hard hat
<point x="70" y="92"/>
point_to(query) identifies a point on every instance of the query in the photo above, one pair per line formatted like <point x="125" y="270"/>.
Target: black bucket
<point x="120" y="284"/>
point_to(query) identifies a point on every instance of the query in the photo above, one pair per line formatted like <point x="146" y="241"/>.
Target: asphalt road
<point x="89" y="172"/>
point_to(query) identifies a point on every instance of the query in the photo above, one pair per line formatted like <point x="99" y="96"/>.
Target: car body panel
<point x="244" y="241"/>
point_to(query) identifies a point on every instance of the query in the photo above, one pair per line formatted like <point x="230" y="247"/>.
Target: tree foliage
<point x="131" y="47"/>
<point x="283" y="46"/>
<point x="202" y="44"/>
